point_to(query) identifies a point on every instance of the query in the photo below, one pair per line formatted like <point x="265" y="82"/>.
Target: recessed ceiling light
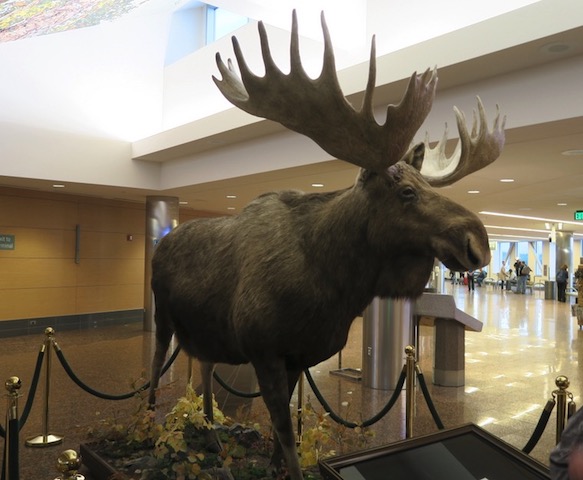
<point x="561" y="204"/>
<point x="572" y="153"/>
<point x="507" y="180"/>
<point x="230" y="208"/>
<point x="317" y="185"/>
<point x="555" y="47"/>
<point x="58" y="185"/>
<point x="473" y="191"/>
<point x="231" y="196"/>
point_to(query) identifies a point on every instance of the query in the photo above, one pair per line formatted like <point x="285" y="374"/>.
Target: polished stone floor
<point x="511" y="367"/>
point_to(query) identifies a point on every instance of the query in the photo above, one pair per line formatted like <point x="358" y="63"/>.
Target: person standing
<point x="503" y="275"/>
<point x="470" y="277"/>
<point x="562" y="278"/>
<point x="522" y="273"/>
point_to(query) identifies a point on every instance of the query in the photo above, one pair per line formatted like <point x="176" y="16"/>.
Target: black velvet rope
<point x="367" y="423"/>
<point x="230" y="389"/>
<point x="540" y="426"/>
<point x="31" y="393"/>
<point x="33" y="387"/>
<point x="429" y="401"/>
<point x="107" y="396"/>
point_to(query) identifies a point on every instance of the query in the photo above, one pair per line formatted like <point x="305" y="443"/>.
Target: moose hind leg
<point x="292" y="380"/>
<point x="164" y="332"/>
<point x="273" y="382"/>
<point x="213" y="444"/>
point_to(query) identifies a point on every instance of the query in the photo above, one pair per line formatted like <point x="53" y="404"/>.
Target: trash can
<point x="387" y="329"/>
<point x="550" y="290"/>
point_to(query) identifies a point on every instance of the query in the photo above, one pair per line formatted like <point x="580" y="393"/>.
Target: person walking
<point x="562" y="279"/>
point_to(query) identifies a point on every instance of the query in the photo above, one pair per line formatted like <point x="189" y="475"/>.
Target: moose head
<point x="280" y="284"/>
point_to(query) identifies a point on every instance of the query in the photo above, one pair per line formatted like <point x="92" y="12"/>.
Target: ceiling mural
<point x="30" y="18"/>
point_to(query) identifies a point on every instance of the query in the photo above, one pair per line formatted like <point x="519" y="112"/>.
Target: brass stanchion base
<point x="44" y="441"/>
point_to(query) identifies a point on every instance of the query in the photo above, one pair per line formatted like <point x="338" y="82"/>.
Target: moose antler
<point x="318" y="109"/>
<point x="471" y="153"/>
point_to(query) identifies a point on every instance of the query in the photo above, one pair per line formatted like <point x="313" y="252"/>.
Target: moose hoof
<point x="212" y="442"/>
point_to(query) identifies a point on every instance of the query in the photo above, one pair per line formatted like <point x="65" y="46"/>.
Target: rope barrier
<point x="540" y="426"/>
<point x="230" y="389"/>
<point x="33" y="386"/>
<point x="428" y="399"/>
<point x="107" y="396"/>
<point x="334" y="416"/>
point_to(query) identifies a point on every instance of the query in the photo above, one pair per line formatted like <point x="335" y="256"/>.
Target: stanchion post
<point x="46" y="439"/>
<point x="409" y="390"/>
<point x="11" y="467"/>
<point x="562" y="384"/>
<point x="68" y="464"/>
<point x="300" y="408"/>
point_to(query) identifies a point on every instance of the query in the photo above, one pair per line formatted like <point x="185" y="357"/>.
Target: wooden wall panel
<point x="110" y="245"/>
<point x="105" y="218"/>
<point x="40" y="243"/>
<point x="33" y="273"/>
<point x="110" y="272"/>
<point x="38" y="213"/>
<point x="37" y="302"/>
<point x="107" y="298"/>
<point x="40" y="278"/>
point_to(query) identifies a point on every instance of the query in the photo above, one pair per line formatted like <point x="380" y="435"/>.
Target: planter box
<point x="96" y="465"/>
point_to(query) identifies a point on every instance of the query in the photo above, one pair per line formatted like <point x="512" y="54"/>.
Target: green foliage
<point x="322" y="437"/>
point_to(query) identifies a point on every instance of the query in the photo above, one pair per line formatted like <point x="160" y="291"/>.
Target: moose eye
<point x="408" y="193"/>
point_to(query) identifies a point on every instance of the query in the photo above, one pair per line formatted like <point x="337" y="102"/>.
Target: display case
<point x="463" y="453"/>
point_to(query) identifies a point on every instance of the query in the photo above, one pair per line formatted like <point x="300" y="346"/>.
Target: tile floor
<point x="511" y="367"/>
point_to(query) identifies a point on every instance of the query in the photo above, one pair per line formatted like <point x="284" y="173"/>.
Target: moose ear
<point x="415" y="155"/>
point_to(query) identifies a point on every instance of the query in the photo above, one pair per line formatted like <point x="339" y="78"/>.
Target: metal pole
<point x="409" y="390"/>
<point x="46" y="439"/>
<point x="300" y="407"/>
<point x="562" y="383"/>
<point x="11" y="467"/>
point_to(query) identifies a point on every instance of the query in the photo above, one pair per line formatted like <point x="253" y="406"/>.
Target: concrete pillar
<point x="387" y="329"/>
<point x="564" y="253"/>
<point x="450" y="349"/>
<point x="162" y="215"/>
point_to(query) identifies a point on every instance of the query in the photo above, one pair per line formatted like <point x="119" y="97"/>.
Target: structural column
<point x="564" y="253"/>
<point x="387" y="330"/>
<point x="161" y="216"/>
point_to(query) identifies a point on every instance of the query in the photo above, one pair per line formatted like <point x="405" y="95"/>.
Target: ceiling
<point x="547" y="182"/>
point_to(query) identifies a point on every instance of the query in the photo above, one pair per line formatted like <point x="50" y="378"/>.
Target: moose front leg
<point x="274" y="382"/>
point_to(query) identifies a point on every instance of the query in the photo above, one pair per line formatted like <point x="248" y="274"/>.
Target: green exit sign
<point x="579" y="215"/>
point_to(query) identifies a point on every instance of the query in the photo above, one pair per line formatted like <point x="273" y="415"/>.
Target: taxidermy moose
<point x="279" y="284"/>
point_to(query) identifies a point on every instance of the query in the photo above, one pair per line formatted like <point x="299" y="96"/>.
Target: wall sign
<point x="579" y="215"/>
<point x="6" y="242"/>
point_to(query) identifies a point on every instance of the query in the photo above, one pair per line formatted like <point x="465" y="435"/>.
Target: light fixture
<point x="572" y="153"/>
<point x="524" y="217"/>
<point x="231" y="196"/>
<point x="473" y="191"/>
<point x="183" y="203"/>
<point x="561" y="204"/>
<point x="317" y="185"/>
<point x="500" y="227"/>
<point x="506" y="180"/>
<point x="230" y="208"/>
<point x="58" y="185"/>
